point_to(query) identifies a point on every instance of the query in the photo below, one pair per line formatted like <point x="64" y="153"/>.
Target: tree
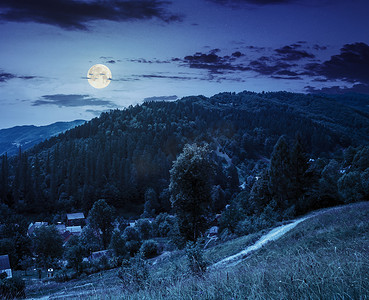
<point x="151" y="203"/>
<point x="298" y="166"/>
<point x="118" y="244"/>
<point x="48" y="245"/>
<point x="75" y="253"/>
<point x="280" y="172"/>
<point x="101" y="218"/>
<point x="190" y="187"/>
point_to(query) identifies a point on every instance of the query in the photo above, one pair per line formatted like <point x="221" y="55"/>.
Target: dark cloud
<point x="73" y="100"/>
<point x="158" y="76"/>
<point x="160" y="98"/>
<point x="265" y="66"/>
<point x="357" y="88"/>
<point x="213" y="62"/>
<point x="318" y="47"/>
<point x="4" y="76"/>
<point x="149" y="61"/>
<point x="293" y="53"/>
<point x="75" y="14"/>
<point x="253" y="2"/>
<point x="112" y="61"/>
<point x="351" y="65"/>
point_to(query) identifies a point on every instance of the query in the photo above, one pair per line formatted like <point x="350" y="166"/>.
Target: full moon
<point x="99" y="76"/>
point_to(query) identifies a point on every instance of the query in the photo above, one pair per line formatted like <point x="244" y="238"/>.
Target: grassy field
<point x="325" y="257"/>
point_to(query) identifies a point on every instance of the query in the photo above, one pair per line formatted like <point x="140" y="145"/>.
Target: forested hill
<point x="124" y="153"/>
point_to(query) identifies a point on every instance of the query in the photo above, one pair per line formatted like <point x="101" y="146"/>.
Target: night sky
<point x="170" y="49"/>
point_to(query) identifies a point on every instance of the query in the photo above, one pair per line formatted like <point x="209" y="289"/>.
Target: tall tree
<point x="101" y="219"/>
<point x="190" y="187"/>
<point x="279" y="172"/>
<point x="48" y="245"/>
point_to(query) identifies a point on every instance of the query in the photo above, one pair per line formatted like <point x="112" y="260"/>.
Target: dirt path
<point x="272" y="235"/>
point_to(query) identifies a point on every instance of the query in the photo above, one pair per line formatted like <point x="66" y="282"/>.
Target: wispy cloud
<point x="75" y="14"/>
<point x="4" y="76"/>
<point x="72" y="100"/>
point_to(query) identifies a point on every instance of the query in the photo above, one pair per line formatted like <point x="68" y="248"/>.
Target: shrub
<point x="133" y="247"/>
<point x="134" y="274"/>
<point x="144" y="228"/>
<point x="149" y="249"/>
<point x="195" y="258"/>
<point x="12" y="288"/>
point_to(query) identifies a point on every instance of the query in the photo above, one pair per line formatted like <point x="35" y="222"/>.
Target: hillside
<point x="28" y="136"/>
<point x="123" y="153"/>
<point x="324" y="256"/>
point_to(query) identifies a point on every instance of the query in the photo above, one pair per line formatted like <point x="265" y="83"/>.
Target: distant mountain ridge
<point x="29" y="135"/>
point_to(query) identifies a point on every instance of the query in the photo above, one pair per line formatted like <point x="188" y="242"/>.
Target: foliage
<point x="47" y="244"/>
<point x="118" y="244"/>
<point x="74" y="253"/>
<point x="190" y="187"/>
<point x="134" y="274"/>
<point x="195" y="258"/>
<point x="101" y="217"/>
<point x="144" y="228"/>
<point x="149" y="249"/>
<point x="11" y="288"/>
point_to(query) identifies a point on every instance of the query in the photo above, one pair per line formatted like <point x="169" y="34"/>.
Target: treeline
<point x="125" y="154"/>
<point x="292" y="185"/>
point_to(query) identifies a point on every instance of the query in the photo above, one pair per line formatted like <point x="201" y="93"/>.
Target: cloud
<point x="291" y="53"/>
<point x="160" y="98"/>
<point x="267" y="66"/>
<point x="95" y="112"/>
<point x="158" y="76"/>
<point x="212" y="62"/>
<point x="76" y="14"/>
<point x="149" y="61"/>
<point x="357" y="88"/>
<point x="4" y="76"/>
<point x="252" y="2"/>
<point x="351" y="65"/>
<point x="72" y="100"/>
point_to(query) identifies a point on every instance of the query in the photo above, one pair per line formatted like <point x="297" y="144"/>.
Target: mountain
<point x="27" y="136"/>
<point x="122" y="154"/>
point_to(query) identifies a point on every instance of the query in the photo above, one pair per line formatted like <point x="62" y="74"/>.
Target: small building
<point x="5" y="266"/>
<point x="75" y="219"/>
<point x="99" y="254"/>
<point x="33" y="226"/>
<point x="74" y="230"/>
<point x="61" y="228"/>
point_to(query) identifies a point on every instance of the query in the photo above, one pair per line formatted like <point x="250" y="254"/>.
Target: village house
<point x="32" y="227"/>
<point x="5" y="266"/>
<point x="75" y="219"/>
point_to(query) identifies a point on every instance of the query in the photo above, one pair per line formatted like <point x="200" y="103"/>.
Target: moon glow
<point x="99" y="76"/>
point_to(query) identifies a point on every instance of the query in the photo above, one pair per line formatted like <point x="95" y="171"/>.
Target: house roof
<point x="60" y="228"/>
<point x="75" y="216"/>
<point x="4" y="262"/>
<point x="74" y="229"/>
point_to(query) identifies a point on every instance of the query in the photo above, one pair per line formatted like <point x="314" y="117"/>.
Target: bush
<point x="149" y="249"/>
<point x="133" y="247"/>
<point x="195" y="258"/>
<point x="144" y="229"/>
<point x="12" y="288"/>
<point x="134" y="274"/>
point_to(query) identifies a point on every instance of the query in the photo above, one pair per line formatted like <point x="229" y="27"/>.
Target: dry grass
<point x="326" y="257"/>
